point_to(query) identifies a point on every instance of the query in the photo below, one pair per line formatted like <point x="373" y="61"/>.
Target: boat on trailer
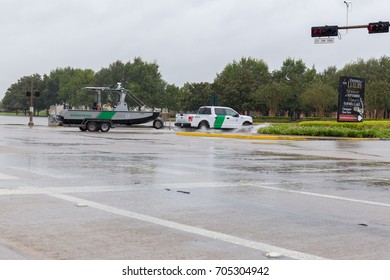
<point x="103" y="120"/>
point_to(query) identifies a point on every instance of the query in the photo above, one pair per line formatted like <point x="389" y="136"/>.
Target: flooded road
<point x="141" y="193"/>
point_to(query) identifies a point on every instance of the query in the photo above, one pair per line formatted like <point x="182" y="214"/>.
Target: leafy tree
<point x="271" y="96"/>
<point x="236" y="84"/>
<point x="143" y="79"/>
<point x="330" y="77"/>
<point x="244" y="85"/>
<point x="377" y="98"/>
<point x="170" y="98"/>
<point x="384" y="66"/>
<point x="15" y="98"/>
<point x="50" y="91"/>
<point x="319" y="97"/>
<point x="195" y="95"/>
<point x="65" y="86"/>
<point x="295" y="77"/>
<point x="114" y="73"/>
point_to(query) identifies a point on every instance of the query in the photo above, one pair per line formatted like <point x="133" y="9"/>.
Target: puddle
<point x="251" y="129"/>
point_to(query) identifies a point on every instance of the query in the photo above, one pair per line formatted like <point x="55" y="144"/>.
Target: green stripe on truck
<point x="219" y="121"/>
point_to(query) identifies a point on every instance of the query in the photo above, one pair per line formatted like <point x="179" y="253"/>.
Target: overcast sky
<point x="191" y="40"/>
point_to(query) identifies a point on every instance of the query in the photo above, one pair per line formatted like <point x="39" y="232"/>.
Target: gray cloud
<point x="191" y="40"/>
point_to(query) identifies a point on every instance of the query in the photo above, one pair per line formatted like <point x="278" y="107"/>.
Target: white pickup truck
<point x="213" y="117"/>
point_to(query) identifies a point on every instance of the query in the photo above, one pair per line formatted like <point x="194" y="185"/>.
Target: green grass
<point x="21" y="114"/>
<point x="366" y="129"/>
<point x="10" y="114"/>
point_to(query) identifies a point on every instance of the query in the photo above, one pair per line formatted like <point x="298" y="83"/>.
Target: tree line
<point x="246" y="85"/>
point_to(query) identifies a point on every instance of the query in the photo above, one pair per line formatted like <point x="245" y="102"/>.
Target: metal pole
<point x="31" y="123"/>
<point x="349" y="8"/>
<point x="353" y="27"/>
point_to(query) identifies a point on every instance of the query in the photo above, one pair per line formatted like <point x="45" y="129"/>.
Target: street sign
<point x="323" y="40"/>
<point x="351" y="99"/>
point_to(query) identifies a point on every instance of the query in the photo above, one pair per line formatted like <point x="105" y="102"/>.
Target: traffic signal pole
<point x="353" y="27"/>
<point x="31" y="109"/>
<point x="31" y="94"/>
<point x="332" y="30"/>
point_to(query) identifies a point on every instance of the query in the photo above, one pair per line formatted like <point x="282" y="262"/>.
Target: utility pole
<point x="31" y="123"/>
<point x="30" y="94"/>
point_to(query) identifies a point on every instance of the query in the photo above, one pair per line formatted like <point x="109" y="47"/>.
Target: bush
<point x="369" y="129"/>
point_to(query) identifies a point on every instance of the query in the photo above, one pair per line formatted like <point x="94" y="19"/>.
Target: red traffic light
<point x="378" y="27"/>
<point x="325" y="31"/>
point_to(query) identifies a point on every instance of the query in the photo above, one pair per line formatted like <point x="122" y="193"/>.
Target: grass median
<point x="366" y="129"/>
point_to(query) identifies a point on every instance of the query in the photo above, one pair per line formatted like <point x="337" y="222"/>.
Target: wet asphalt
<point x="141" y="193"/>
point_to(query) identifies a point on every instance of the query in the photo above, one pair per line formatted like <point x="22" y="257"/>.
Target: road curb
<point x="272" y="137"/>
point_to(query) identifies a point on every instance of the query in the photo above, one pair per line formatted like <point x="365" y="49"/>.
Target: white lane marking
<point x="190" y="229"/>
<point x="267" y="186"/>
<point x="48" y="190"/>
<point x="26" y="190"/>
<point x="324" y="196"/>
<point x="7" y="177"/>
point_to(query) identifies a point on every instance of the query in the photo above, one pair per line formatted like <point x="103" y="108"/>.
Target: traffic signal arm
<point x="328" y="31"/>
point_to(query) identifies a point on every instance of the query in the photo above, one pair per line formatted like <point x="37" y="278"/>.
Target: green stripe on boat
<point x="106" y="115"/>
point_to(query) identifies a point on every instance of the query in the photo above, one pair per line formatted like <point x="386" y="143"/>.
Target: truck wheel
<point x="203" y="126"/>
<point x="105" y="127"/>
<point x="82" y="128"/>
<point x="92" y="126"/>
<point x="246" y="124"/>
<point x="157" y="124"/>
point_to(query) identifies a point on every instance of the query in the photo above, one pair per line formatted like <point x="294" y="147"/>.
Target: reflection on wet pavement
<point x="106" y="188"/>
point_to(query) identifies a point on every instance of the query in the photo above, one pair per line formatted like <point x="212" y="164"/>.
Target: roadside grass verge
<point x="366" y="129"/>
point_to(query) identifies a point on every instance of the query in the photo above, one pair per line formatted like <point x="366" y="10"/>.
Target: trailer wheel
<point x="157" y="124"/>
<point x="82" y="128"/>
<point x="92" y="126"/>
<point x="105" y="127"/>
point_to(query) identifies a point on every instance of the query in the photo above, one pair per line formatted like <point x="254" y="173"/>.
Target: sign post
<point x="351" y="99"/>
<point x="31" y="112"/>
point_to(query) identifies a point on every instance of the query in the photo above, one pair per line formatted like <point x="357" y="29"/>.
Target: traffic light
<point x="325" y="31"/>
<point x="28" y="93"/>
<point x="378" y="27"/>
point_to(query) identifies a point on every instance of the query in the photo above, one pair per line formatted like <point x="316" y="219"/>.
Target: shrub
<point x="367" y="129"/>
